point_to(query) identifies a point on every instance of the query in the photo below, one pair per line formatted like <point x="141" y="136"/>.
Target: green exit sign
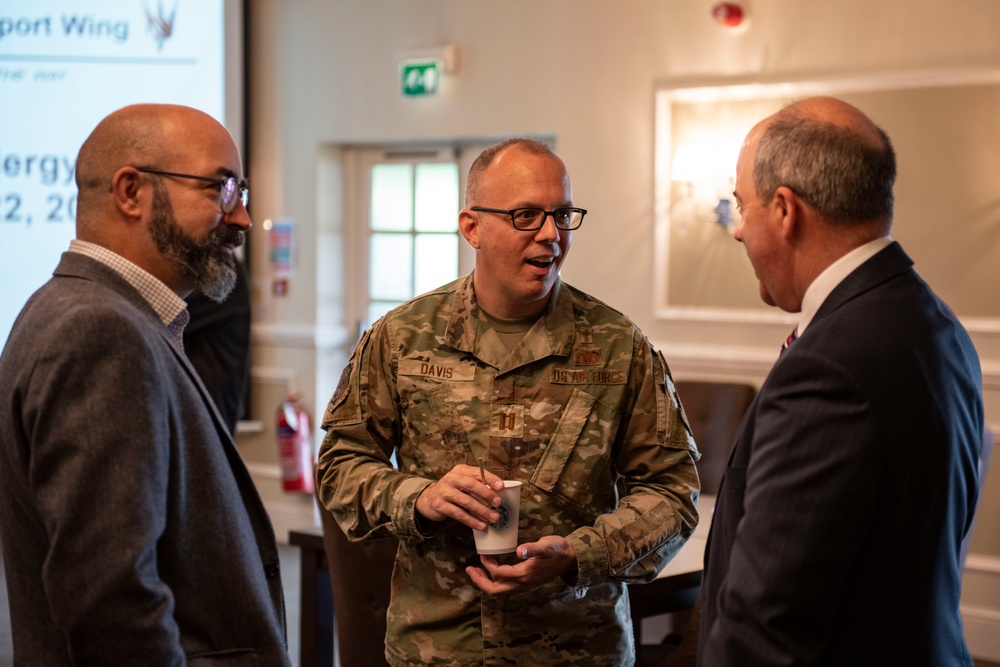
<point x="421" y="77"/>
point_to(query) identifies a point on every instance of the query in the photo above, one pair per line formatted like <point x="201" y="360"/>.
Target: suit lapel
<point x="77" y="265"/>
<point x="885" y="265"/>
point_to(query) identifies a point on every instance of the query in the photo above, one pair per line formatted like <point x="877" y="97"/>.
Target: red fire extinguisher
<point x="295" y="446"/>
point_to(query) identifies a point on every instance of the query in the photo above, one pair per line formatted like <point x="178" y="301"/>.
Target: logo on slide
<point x="160" y="25"/>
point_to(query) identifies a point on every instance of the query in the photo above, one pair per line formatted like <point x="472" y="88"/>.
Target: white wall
<point x="323" y="74"/>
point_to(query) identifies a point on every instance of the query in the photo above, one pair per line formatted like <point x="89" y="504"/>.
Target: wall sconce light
<point x="703" y="172"/>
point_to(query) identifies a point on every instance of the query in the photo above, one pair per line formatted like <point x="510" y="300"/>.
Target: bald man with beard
<point x="133" y="534"/>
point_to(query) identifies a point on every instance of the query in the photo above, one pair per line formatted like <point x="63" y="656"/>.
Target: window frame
<point x="358" y="231"/>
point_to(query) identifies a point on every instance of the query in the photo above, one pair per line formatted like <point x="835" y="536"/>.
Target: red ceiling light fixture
<point x="729" y="14"/>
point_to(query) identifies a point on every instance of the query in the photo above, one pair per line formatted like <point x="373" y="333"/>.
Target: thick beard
<point x="213" y="271"/>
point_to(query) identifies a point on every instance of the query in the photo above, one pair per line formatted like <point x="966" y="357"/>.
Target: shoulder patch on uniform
<point x="349" y="394"/>
<point x="345" y="382"/>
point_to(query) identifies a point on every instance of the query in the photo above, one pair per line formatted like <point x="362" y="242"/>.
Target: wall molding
<point x="288" y="511"/>
<point x="991" y="374"/>
<point x="722" y="360"/>
<point x="983" y="563"/>
<point x="305" y="336"/>
<point x="268" y="471"/>
<point x="728" y="360"/>
<point x="272" y="374"/>
<point x="717" y="360"/>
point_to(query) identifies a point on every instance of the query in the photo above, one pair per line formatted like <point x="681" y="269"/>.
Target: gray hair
<point x="832" y="168"/>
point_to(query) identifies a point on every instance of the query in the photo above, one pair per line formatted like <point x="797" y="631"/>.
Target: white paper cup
<point x="501" y="537"/>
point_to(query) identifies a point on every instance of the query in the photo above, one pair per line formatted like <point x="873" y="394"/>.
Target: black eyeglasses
<point x="530" y="219"/>
<point x="231" y="190"/>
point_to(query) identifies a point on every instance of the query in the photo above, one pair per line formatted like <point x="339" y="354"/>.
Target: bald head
<point x="832" y="156"/>
<point x="474" y="183"/>
<point x="839" y="113"/>
<point x="151" y="180"/>
<point x="138" y="135"/>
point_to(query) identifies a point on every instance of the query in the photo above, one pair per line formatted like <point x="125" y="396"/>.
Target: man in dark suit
<point x="133" y="534"/>
<point x="853" y="479"/>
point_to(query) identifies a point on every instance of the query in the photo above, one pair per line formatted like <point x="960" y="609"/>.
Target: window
<point x="410" y="239"/>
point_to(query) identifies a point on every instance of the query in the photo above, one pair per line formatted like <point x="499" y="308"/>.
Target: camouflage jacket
<point x="583" y="411"/>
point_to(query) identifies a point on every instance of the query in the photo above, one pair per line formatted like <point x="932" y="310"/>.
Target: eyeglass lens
<point x="231" y="193"/>
<point x="533" y="218"/>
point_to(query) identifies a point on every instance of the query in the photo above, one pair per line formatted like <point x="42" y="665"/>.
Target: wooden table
<point x="673" y="589"/>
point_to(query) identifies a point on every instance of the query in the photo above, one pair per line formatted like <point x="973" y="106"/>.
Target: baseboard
<point x="304" y="336"/>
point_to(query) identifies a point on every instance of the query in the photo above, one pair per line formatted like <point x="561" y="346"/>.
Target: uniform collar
<point x="552" y="334"/>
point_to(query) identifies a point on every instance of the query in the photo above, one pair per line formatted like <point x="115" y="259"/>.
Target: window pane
<point x="437" y="197"/>
<point x="391" y="267"/>
<point x="392" y="198"/>
<point x="437" y="260"/>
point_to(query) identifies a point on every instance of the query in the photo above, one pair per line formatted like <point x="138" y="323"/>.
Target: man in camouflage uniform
<point x="547" y="386"/>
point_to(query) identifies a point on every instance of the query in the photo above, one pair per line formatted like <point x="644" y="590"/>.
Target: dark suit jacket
<point x="132" y="532"/>
<point x="837" y="529"/>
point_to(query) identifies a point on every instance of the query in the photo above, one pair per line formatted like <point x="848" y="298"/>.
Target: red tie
<point x="791" y="339"/>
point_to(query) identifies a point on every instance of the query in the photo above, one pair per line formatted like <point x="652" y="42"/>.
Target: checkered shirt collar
<point x="170" y="308"/>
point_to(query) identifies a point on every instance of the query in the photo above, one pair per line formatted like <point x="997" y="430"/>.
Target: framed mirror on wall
<point x="945" y="128"/>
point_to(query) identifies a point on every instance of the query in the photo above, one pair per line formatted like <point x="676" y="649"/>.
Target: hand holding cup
<point x="462" y="495"/>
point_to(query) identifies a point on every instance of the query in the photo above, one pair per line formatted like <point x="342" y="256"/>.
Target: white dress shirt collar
<point x="833" y="275"/>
